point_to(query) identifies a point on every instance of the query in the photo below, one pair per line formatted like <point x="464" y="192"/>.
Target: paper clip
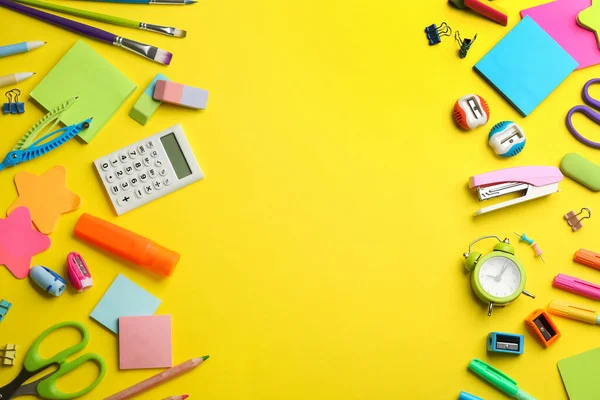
<point x="434" y="33"/>
<point x="574" y="222"/>
<point x="10" y="354"/>
<point x="4" y="307"/>
<point x="465" y="44"/>
<point x="13" y="106"/>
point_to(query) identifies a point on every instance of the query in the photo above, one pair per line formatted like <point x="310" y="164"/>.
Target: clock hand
<point x="499" y="277"/>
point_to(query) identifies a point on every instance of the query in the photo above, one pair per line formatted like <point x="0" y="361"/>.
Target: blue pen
<point x="19" y="48"/>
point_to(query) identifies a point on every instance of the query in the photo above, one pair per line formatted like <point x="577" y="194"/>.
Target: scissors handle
<point x="593" y="115"/>
<point x="47" y="389"/>
<point x="34" y="362"/>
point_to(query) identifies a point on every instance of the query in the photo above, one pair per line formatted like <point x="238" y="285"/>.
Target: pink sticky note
<point x="145" y="342"/>
<point x="559" y="20"/>
<point x="19" y="242"/>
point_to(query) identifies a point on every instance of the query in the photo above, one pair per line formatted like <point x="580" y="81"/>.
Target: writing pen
<point x="579" y="313"/>
<point x="497" y="379"/>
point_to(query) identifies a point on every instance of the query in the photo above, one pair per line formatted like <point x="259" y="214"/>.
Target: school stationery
<point x="149" y="169"/>
<point x="588" y="258"/>
<point x="48" y="280"/>
<point x="138" y="334"/>
<point x="182" y="397"/>
<point x="46" y="196"/>
<point x="537" y="251"/>
<point x="32" y="146"/>
<point x="489" y="10"/>
<point x="99" y="98"/>
<point x="577" y="286"/>
<point x="109" y="19"/>
<point x="533" y="182"/>
<point x="498" y="379"/>
<point x="498" y="277"/>
<point x="579" y="374"/>
<point x="146" y="106"/>
<point x="46" y="386"/>
<point x="14" y="106"/>
<point x="467" y="396"/>
<point x="435" y="33"/>
<point x="162" y="2"/>
<point x="572" y="311"/>
<point x="4" y="307"/>
<point x="15" y="78"/>
<point x="526" y="66"/>
<point x="507" y="139"/>
<point x="542" y="326"/>
<point x="464" y="45"/>
<point x="181" y="95"/>
<point x="123" y="298"/>
<point x="78" y="272"/>
<point x="574" y="221"/>
<point x="559" y="19"/>
<point x="19" y="242"/>
<point x="19" y="48"/>
<point x="126" y="244"/>
<point x="588" y="111"/>
<point x="9" y="354"/>
<point x="158" y="379"/>
<point x="471" y="111"/>
<point x="581" y="170"/>
<point x="588" y="18"/>
<point x="500" y="342"/>
<point x="144" y="50"/>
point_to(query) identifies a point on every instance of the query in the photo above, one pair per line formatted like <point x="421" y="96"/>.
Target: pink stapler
<point x="534" y="182"/>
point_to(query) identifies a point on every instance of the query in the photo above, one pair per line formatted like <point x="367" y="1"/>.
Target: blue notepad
<point x="526" y="66"/>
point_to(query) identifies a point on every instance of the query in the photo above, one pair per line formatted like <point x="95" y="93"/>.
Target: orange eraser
<point x="540" y="324"/>
<point x="488" y="9"/>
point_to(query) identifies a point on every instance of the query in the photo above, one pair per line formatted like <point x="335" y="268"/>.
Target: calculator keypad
<point x="136" y="173"/>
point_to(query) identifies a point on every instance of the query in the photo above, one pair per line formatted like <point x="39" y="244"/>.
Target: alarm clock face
<point x="500" y="277"/>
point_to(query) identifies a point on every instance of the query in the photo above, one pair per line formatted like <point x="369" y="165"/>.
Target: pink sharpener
<point x="78" y="272"/>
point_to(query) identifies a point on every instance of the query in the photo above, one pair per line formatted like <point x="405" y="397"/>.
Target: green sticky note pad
<point x="581" y="171"/>
<point x="83" y="73"/>
<point x="579" y="374"/>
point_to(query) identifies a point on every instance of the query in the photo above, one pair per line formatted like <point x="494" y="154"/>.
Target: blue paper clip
<point x="4" y="307"/>
<point x="13" y="106"/>
<point x="435" y="33"/>
<point x="29" y="147"/>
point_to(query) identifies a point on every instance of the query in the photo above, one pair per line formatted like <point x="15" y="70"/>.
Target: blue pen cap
<point x="467" y="396"/>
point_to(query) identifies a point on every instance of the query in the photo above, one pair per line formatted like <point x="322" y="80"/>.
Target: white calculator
<point x="149" y="169"/>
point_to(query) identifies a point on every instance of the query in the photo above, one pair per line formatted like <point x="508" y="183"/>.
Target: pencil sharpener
<point x="542" y="326"/>
<point x="500" y="342"/>
<point x="471" y="111"/>
<point x="507" y="139"/>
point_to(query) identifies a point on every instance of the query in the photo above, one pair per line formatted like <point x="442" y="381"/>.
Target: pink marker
<point x="577" y="286"/>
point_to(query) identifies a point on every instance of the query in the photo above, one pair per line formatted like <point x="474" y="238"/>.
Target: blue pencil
<point x="19" y="48"/>
<point x="171" y="2"/>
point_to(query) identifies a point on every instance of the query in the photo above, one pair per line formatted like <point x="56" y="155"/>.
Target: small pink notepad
<point x="145" y="342"/>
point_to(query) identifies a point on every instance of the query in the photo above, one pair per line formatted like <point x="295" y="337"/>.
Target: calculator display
<point x="173" y="150"/>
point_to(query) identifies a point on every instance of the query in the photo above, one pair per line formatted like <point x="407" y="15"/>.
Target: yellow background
<point x="322" y="253"/>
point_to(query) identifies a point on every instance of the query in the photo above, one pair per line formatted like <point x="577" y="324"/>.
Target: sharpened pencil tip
<point x="204" y="358"/>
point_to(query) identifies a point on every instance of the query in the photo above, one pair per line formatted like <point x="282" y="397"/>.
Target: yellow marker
<point x="572" y="311"/>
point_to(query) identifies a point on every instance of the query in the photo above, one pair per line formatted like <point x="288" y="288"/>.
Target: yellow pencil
<point x="15" y="78"/>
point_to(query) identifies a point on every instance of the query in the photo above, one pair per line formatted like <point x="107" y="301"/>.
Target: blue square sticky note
<point x="526" y="66"/>
<point x="123" y="298"/>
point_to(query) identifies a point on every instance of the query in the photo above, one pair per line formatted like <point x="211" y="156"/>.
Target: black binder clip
<point x="13" y="106"/>
<point x="465" y="44"/>
<point x="435" y="33"/>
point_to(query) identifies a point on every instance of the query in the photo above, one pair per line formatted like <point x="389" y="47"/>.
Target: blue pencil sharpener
<point x="507" y="139"/>
<point x="500" y="342"/>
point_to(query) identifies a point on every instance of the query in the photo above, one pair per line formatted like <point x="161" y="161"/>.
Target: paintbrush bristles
<point x="179" y="33"/>
<point x="163" y="57"/>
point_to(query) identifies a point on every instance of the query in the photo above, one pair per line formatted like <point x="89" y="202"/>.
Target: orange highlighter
<point x="126" y="244"/>
<point x="586" y="257"/>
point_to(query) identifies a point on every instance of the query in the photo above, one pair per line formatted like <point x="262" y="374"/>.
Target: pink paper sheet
<point x="145" y="342"/>
<point x="559" y="20"/>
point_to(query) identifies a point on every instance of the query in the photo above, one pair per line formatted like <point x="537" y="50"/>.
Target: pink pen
<point x="577" y="286"/>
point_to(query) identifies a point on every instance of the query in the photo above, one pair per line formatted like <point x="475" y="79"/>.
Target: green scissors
<point x="33" y="364"/>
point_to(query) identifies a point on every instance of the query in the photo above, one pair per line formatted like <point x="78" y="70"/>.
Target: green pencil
<point x="109" y="19"/>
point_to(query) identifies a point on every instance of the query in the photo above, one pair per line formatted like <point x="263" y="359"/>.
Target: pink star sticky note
<point x="19" y="242"/>
<point x="559" y="20"/>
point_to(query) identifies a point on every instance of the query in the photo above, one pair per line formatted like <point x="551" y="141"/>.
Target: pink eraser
<point x="181" y="95"/>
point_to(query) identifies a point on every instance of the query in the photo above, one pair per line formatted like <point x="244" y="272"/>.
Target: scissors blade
<point x="9" y="391"/>
<point x="29" y="389"/>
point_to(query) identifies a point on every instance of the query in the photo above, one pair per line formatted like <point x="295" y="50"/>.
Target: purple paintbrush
<point x="151" y="52"/>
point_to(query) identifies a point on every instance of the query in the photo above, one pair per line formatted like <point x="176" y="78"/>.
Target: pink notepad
<point x="145" y="342"/>
<point x="559" y="20"/>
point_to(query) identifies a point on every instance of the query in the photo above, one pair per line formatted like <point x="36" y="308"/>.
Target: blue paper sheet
<point x="123" y="298"/>
<point x="526" y="66"/>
